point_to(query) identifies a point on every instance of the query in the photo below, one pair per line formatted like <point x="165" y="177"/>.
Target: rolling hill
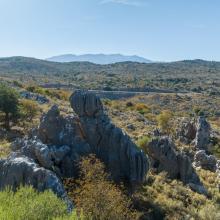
<point x="193" y="75"/>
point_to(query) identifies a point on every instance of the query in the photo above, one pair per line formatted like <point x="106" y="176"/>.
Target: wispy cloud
<point x="136" y="3"/>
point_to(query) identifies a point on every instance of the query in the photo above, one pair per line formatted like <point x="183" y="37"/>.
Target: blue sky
<point x="161" y="30"/>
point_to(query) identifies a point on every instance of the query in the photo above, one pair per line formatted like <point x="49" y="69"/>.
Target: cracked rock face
<point x="207" y="162"/>
<point x="195" y="131"/>
<point x="109" y="143"/>
<point x="202" y="139"/>
<point x="165" y="157"/>
<point x="187" y="131"/>
<point x="22" y="169"/>
<point x="58" y="144"/>
<point x="86" y="104"/>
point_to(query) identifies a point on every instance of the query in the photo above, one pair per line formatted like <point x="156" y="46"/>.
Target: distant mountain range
<point x="98" y="58"/>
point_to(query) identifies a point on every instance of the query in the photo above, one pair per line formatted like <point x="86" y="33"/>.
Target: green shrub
<point x="164" y="121"/>
<point x="28" y="109"/>
<point x="73" y="216"/>
<point x="35" y="89"/>
<point x="210" y="212"/>
<point x="143" y="142"/>
<point x="142" y="108"/>
<point x="57" y="93"/>
<point x="198" y="111"/>
<point x="18" y="84"/>
<point x="176" y="201"/>
<point x="8" y="103"/>
<point x="4" y="148"/>
<point x="52" y="93"/>
<point x="28" y="204"/>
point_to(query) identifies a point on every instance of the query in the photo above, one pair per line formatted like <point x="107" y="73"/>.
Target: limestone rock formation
<point x="207" y="162"/>
<point x="53" y="150"/>
<point x="165" y="157"/>
<point x="203" y="134"/>
<point x="109" y="143"/>
<point x="16" y="171"/>
<point x="186" y="131"/>
<point x="195" y="132"/>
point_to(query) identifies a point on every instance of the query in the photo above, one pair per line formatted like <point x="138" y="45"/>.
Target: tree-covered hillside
<point x="195" y="75"/>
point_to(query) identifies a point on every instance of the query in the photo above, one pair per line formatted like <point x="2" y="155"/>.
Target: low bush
<point x="176" y="201"/>
<point x="28" y="204"/>
<point x="97" y="196"/>
<point x="164" y="121"/>
<point x="28" y="109"/>
<point x="59" y="94"/>
<point x="4" y="148"/>
<point x="52" y="93"/>
<point x="143" y="142"/>
<point x="142" y="108"/>
<point x="8" y="104"/>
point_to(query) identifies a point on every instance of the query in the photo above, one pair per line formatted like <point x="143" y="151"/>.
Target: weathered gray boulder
<point x="34" y="96"/>
<point x="207" y="162"/>
<point x="165" y="157"/>
<point x="197" y="132"/>
<point x="58" y="130"/>
<point x="162" y="151"/>
<point x="59" y="159"/>
<point x="17" y="171"/>
<point x="86" y="104"/>
<point x="202" y="139"/>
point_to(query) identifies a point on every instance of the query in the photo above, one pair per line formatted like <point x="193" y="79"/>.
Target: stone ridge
<point x="165" y="157"/>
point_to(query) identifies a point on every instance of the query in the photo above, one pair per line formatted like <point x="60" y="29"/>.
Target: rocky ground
<point x="182" y="163"/>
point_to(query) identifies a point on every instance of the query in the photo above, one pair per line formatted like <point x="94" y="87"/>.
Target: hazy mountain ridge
<point x="98" y="58"/>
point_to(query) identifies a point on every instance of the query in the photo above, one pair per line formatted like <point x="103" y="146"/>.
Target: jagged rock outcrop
<point x="195" y="132"/>
<point x="16" y="171"/>
<point x="207" y="162"/>
<point x="202" y="139"/>
<point x="109" y="143"/>
<point x="53" y="150"/>
<point x="186" y="131"/>
<point x="165" y="157"/>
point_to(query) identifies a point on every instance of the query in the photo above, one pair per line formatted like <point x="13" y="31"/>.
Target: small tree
<point x="164" y="121"/>
<point x="28" y="109"/>
<point x="97" y="196"/>
<point x="8" y="103"/>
